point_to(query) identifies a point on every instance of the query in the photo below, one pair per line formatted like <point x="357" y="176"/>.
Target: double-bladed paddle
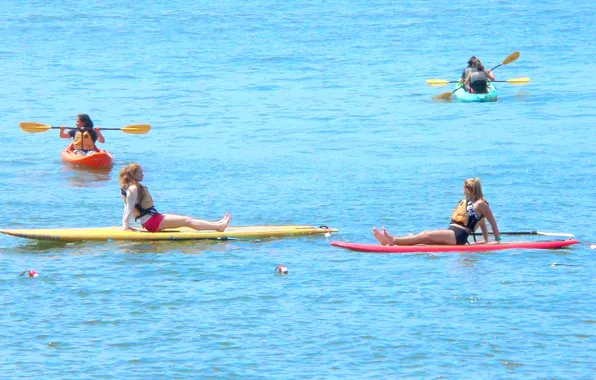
<point x="510" y="58"/>
<point x="442" y="82"/>
<point x="135" y="129"/>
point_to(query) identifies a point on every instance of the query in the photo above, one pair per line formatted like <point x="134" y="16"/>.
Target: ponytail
<point x="473" y="189"/>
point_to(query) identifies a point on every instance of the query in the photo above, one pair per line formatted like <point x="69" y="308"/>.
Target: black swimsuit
<point x="461" y="235"/>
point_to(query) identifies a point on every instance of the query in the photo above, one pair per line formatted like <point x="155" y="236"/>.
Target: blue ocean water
<point x="298" y="113"/>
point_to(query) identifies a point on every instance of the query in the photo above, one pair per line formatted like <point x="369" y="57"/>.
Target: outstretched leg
<point x="437" y="237"/>
<point x="175" y="221"/>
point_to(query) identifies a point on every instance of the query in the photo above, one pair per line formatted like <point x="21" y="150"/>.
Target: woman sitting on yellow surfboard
<point x="84" y="135"/>
<point x="467" y="217"/>
<point x="138" y="203"/>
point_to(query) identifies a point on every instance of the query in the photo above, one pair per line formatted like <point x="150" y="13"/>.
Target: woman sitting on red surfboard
<point x="467" y="217"/>
<point x="138" y="202"/>
<point x="84" y="135"/>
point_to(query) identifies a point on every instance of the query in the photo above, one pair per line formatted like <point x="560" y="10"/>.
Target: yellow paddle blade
<point x="437" y="82"/>
<point x="33" y="127"/>
<point x="511" y="58"/>
<point x="137" y="129"/>
<point x="444" y="96"/>
<point x="519" y="81"/>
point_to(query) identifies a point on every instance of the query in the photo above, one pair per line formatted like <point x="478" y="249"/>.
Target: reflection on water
<point x="44" y="246"/>
<point x="188" y="247"/>
<point x="521" y="96"/>
<point x="91" y="247"/>
<point x="444" y="101"/>
<point x="140" y="247"/>
<point x="81" y="176"/>
<point x="468" y="261"/>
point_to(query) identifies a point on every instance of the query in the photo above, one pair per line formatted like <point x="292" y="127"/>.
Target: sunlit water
<point x="298" y="113"/>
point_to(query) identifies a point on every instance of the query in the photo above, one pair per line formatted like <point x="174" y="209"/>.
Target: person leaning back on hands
<point x="471" y="213"/>
<point x="84" y="136"/>
<point x="139" y="203"/>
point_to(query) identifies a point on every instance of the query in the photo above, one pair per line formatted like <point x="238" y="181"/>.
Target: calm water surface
<point x="298" y="113"/>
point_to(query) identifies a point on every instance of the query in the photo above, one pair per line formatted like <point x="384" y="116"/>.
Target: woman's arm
<point x="131" y="201"/>
<point x="100" y="137"/>
<point x="467" y="81"/>
<point x="484" y="233"/>
<point x="488" y="214"/>
<point x="63" y="133"/>
<point x="490" y="75"/>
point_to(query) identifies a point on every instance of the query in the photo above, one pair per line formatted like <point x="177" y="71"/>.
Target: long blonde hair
<point x="473" y="189"/>
<point x="127" y="173"/>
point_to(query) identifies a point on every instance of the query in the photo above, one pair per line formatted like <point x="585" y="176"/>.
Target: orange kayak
<point x="98" y="159"/>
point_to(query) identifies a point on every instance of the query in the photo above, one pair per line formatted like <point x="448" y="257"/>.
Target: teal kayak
<point x="462" y="95"/>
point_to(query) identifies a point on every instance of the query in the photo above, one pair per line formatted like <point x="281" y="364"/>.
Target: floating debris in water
<point x="31" y="273"/>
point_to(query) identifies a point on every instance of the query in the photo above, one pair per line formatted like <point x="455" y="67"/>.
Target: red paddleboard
<point x="377" y="248"/>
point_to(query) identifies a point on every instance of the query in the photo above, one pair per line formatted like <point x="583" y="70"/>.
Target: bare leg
<point x="380" y="237"/>
<point x="175" y="221"/>
<point x="436" y="237"/>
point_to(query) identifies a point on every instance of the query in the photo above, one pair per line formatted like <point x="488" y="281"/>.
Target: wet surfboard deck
<point x="378" y="248"/>
<point x="116" y="233"/>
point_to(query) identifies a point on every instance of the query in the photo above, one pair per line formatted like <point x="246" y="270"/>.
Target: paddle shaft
<point x="101" y="129"/>
<point x="513" y="81"/>
<point x="522" y="233"/>
<point x="34" y="127"/>
<point x="517" y="233"/>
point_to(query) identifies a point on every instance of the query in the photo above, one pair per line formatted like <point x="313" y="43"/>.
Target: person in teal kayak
<point x="471" y="213"/>
<point x="470" y="68"/>
<point x="138" y="203"/>
<point x="477" y="78"/>
<point x="84" y="135"/>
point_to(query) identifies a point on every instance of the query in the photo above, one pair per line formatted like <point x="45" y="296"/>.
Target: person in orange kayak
<point x="84" y="136"/>
<point x="470" y="214"/>
<point x="477" y="78"/>
<point x="138" y="203"/>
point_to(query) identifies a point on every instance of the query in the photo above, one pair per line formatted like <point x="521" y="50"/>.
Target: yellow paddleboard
<point x="116" y="233"/>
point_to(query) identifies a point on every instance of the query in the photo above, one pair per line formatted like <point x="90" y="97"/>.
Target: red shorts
<point x="152" y="225"/>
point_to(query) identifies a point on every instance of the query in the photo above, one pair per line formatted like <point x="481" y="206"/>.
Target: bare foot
<point x="388" y="237"/>
<point x="223" y="222"/>
<point x="379" y="236"/>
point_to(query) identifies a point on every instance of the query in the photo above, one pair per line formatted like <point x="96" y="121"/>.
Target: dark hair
<point x="479" y="66"/>
<point x="472" y="61"/>
<point x="86" y="120"/>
